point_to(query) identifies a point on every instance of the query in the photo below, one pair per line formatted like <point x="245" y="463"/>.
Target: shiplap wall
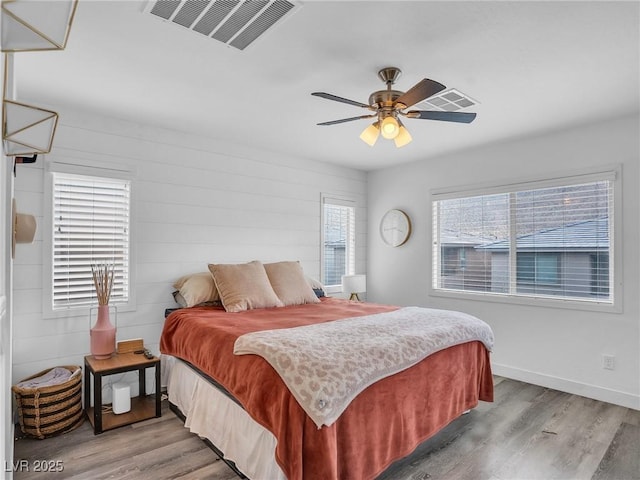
<point x="196" y="201"/>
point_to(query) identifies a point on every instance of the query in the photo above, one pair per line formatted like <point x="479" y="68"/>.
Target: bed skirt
<point x="213" y="415"/>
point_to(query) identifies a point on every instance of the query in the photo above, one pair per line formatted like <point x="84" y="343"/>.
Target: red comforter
<point x="384" y="423"/>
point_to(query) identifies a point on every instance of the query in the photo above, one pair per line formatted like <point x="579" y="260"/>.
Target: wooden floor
<point x="529" y="432"/>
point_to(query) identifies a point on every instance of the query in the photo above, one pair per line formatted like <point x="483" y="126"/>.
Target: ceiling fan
<point x="389" y="105"/>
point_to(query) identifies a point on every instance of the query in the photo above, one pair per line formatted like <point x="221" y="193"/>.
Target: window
<point x="90" y="222"/>
<point x="600" y="274"/>
<point x="537" y="268"/>
<point x="549" y="239"/>
<point x="338" y="239"/>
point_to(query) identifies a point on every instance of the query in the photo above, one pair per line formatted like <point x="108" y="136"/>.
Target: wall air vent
<point x="237" y="23"/>
<point x="450" y="100"/>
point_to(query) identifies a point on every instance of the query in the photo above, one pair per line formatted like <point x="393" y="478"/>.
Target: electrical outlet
<point x="609" y="362"/>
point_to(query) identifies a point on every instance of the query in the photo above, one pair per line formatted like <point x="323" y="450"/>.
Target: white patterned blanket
<point x="326" y="365"/>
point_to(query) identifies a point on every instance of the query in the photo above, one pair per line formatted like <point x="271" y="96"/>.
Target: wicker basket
<point x="51" y="410"/>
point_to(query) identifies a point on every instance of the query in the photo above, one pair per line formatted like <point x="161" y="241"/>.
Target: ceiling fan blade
<point x="425" y="88"/>
<point x="459" y="117"/>
<point x="335" y="98"/>
<point x="343" y="120"/>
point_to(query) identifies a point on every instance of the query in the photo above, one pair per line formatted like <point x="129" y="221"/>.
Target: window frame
<point x="611" y="173"/>
<point x="93" y="168"/>
<point x="345" y="201"/>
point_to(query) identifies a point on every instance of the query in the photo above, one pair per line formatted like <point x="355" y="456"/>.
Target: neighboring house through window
<point x="338" y="240"/>
<point x="547" y="239"/>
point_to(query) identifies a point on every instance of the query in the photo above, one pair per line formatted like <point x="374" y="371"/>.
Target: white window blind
<point x="339" y="225"/>
<point x="554" y="242"/>
<point x="91" y="217"/>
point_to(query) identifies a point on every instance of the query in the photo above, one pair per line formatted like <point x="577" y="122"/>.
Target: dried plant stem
<point x="103" y="281"/>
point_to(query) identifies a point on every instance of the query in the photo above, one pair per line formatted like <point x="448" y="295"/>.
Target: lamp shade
<point x="403" y="137"/>
<point x="389" y="128"/>
<point x="370" y="134"/>
<point x="354" y="283"/>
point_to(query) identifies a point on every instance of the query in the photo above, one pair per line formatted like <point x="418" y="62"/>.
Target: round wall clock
<point x="395" y="228"/>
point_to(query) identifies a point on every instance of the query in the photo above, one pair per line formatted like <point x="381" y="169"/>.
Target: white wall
<point x="197" y="200"/>
<point x="558" y="348"/>
<point x="6" y="191"/>
<point x="6" y="424"/>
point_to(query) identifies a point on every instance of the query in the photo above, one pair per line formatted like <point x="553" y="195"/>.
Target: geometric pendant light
<point x="27" y="130"/>
<point x="36" y="25"/>
<point x="31" y="25"/>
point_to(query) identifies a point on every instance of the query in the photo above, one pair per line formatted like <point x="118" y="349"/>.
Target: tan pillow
<point x="244" y="286"/>
<point x="196" y="288"/>
<point x="289" y="283"/>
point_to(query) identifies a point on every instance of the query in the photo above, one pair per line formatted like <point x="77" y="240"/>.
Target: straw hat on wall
<point x="23" y="228"/>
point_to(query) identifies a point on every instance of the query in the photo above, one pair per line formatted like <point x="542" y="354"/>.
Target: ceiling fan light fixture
<point x="389" y="105"/>
<point x="370" y="134"/>
<point x="403" y="138"/>
<point x="389" y="127"/>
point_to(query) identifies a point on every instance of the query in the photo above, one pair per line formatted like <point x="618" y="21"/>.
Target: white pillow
<point x="316" y="286"/>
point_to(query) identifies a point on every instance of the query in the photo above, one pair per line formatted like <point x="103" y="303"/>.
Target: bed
<point x="242" y="405"/>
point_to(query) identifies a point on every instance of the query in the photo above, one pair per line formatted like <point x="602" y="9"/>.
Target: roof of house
<point x="584" y="235"/>
<point x="450" y="238"/>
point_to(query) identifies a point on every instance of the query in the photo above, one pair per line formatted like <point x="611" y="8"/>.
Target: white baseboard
<point x="608" y="395"/>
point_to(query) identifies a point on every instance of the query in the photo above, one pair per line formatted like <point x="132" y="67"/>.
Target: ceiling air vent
<point x="449" y="100"/>
<point x="233" y="22"/>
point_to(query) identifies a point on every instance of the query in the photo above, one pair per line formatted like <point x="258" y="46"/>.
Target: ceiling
<point x="532" y="66"/>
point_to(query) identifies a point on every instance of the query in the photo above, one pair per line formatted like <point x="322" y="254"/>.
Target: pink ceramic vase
<point x="103" y="335"/>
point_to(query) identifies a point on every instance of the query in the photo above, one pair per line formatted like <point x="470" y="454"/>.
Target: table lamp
<point x="354" y="284"/>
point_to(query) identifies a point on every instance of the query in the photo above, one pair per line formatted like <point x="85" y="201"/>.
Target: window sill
<point x="83" y="311"/>
<point x="333" y="289"/>
<point x="545" y="302"/>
